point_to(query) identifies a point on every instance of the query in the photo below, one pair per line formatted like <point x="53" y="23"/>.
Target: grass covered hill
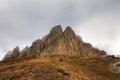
<point x="58" y="67"/>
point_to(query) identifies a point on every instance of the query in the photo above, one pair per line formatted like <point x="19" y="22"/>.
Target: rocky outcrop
<point x="59" y="42"/>
<point x="68" y="43"/>
<point x="24" y="52"/>
<point x="36" y="48"/>
<point x="47" y="44"/>
<point x="12" y="54"/>
<point x="15" y="52"/>
<point x="8" y="55"/>
<point x="115" y="67"/>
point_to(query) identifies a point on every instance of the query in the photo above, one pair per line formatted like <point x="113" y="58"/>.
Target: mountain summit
<point x="57" y="42"/>
<point x="60" y="55"/>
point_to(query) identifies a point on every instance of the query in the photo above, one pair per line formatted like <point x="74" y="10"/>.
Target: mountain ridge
<point x="57" y="42"/>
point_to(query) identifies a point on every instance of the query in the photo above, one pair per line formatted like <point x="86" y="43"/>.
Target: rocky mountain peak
<point x="12" y="54"/>
<point x="68" y="44"/>
<point x="24" y="52"/>
<point x="69" y="33"/>
<point x="54" y="34"/>
<point x="8" y="55"/>
<point x="15" y="52"/>
<point x="57" y="30"/>
<point x="58" y="42"/>
<point x="68" y="30"/>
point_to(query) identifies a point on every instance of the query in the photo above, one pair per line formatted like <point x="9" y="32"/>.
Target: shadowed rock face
<point x="55" y="32"/>
<point x="47" y="44"/>
<point x="24" y="52"/>
<point x="15" y="52"/>
<point x="58" y="42"/>
<point x="12" y="54"/>
<point x="8" y="55"/>
<point x="68" y="44"/>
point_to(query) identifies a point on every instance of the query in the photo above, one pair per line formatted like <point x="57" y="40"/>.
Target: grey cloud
<point x="101" y="28"/>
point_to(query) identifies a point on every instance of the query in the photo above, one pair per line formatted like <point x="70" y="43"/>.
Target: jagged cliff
<point x="57" y="42"/>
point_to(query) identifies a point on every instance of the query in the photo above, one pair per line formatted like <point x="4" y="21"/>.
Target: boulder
<point x="115" y="67"/>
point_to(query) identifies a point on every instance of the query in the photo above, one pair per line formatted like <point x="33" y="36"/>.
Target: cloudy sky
<point x="23" y="21"/>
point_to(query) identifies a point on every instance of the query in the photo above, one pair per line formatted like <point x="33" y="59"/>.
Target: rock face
<point x="12" y="54"/>
<point x="8" y="55"/>
<point x="115" y="67"/>
<point x="15" y="52"/>
<point x="24" y="52"/>
<point x="68" y="44"/>
<point x="58" y="42"/>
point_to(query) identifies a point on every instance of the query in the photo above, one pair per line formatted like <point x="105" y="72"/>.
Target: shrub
<point x="62" y="72"/>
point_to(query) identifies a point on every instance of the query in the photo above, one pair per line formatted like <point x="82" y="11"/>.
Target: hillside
<point x="58" y="67"/>
<point x="60" y="55"/>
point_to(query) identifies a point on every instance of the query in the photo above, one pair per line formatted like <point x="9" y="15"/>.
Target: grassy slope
<point x="56" y="67"/>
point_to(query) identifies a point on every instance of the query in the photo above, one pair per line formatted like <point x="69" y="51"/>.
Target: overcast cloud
<point x="23" y="21"/>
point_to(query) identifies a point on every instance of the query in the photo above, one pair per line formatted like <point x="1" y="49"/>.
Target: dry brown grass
<point x="58" y="67"/>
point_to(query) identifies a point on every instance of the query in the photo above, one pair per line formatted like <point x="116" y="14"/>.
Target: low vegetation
<point x="62" y="72"/>
<point x="58" y="67"/>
